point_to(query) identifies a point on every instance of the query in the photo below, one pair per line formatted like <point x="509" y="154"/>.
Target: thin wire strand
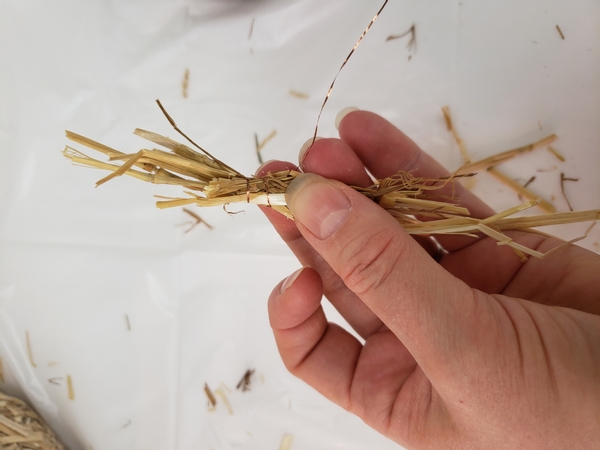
<point x="340" y="69"/>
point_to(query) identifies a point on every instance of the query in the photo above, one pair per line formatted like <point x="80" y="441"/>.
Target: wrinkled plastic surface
<point x="112" y="292"/>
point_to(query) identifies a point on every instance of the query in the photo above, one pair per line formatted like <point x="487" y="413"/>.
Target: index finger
<point x="385" y="150"/>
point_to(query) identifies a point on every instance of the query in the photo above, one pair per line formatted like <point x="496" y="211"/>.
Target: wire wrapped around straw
<point x="22" y="429"/>
<point x="210" y="182"/>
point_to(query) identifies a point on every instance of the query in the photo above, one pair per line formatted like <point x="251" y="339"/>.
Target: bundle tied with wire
<point x="410" y="200"/>
<point x="22" y="429"/>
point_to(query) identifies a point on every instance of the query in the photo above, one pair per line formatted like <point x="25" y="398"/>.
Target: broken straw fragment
<point x="286" y="442"/>
<point x="521" y="190"/>
<point x="221" y="393"/>
<point x="504" y="156"/>
<point x="29" y="350"/>
<point x="555" y="152"/>
<point x="459" y="142"/>
<point x="211" y="398"/>
<point x="70" y="390"/>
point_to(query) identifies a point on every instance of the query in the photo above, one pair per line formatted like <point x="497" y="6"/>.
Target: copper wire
<point x="266" y="181"/>
<point x="340" y="69"/>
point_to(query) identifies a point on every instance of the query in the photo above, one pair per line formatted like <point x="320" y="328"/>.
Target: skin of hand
<point x="480" y="350"/>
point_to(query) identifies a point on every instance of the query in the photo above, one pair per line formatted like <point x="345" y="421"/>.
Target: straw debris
<point x="260" y="145"/>
<point x="545" y="205"/>
<point x="221" y="393"/>
<point x="504" y="156"/>
<point x="55" y="380"/>
<point x="562" y="188"/>
<point x="246" y="381"/>
<point x="298" y="94"/>
<point x="211" y="397"/>
<point x="286" y="442"/>
<point x="185" y="83"/>
<point x="196" y="220"/>
<point x="555" y="152"/>
<point x="70" y="390"/>
<point x="29" y="350"/>
<point x="251" y="29"/>
<point x="22" y="429"/>
<point x="411" y="45"/>
<point x="459" y="142"/>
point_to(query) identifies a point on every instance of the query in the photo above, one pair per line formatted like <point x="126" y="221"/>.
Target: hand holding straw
<point x="473" y="348"/>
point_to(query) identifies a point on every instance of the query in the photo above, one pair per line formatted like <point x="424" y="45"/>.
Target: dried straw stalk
<point x="545" y="205"/>
<point x="22" y="429"/>
<point x="505" y="156"/>
<point x="210" y="182"/>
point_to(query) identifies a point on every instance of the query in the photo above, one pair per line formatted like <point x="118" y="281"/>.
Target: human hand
<point x="478" y="350"/>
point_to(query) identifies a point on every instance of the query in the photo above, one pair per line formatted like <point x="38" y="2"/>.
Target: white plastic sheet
<point x="140" y="315"/>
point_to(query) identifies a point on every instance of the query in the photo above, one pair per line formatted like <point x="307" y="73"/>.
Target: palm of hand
<point x="524" y="337"/>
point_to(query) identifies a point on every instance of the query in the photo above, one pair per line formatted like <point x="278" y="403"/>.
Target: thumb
<point x="427" y="308"/>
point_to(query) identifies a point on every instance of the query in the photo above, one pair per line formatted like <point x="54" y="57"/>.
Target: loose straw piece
<point x="297" y="94"/>
<point x="457" y="138"/>
<point x="504" y="156"/>
<point x="521" y="190"/>
<point x="562" y="188"/>
<point x="209" y="394"/>
<point x="197" y="220"/>
<point x="555" y="152"/>
<point x="212" y="401"/>
<point x="221" y="393"/>
<point x="70" y="390"/>
<point x="55" y="380"/>
<point x="246" y="380"/>
<point x="256" y="145"/>
<point x="185" y="83"/>
<point x="29" y="350"/>
<point x="251" y="27"/>
<point x="286" y="442"/>
<point x="266" y="140"/>
<point x="411" y="45"/>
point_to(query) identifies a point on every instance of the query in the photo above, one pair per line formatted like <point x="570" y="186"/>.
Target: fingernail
<point x="304" y="149"/>
<point x="317" y="204"/>
<point x="343" y="113"/>
<point x="263" y="165"/>
<point x="290" y="280"/>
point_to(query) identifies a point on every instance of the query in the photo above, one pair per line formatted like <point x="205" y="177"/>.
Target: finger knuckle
<point x="370" y="261"/>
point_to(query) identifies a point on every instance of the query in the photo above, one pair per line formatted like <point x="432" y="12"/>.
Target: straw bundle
<point x="22" y="429"/>
<point x="210" y="182"/>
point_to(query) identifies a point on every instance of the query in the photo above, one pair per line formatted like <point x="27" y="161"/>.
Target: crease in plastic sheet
<point x="141" y="314"/>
